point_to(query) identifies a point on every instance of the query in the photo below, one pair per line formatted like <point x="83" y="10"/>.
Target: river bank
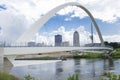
<point x="116" y="53"/>
<point x="64" y="55"/>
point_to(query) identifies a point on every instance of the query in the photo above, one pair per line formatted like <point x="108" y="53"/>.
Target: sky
<point x="16" y="17"/>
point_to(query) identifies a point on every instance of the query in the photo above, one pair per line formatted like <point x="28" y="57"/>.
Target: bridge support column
<point x="7" y="65"/>
<point x="1" y="59"/>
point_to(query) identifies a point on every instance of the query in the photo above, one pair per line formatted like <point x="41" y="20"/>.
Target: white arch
<point x="39" y="23"/>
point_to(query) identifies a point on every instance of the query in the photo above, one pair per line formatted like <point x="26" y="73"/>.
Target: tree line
<point x="112" y="44"/>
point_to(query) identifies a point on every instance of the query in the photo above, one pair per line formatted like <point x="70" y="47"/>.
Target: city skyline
<point x="14" y="20"/>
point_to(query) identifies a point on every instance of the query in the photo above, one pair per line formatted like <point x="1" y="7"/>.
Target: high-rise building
<point x="58" y="40"/>
<point x="76" y="39"/>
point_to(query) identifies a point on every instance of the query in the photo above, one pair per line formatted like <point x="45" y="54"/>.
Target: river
<point x="88" y="69"/>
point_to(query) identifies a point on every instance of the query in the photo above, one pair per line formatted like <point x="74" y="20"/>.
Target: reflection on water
<point x="1" y="67"/>
<point x="77" y="66"/>
<point x="59" y="69"/>
<point x="88" y="69"/>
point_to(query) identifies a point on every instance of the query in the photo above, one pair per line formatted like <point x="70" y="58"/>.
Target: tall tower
<point x="76" y="39"/>
<point x="91" y="33"/>
<point x="58" y="40"/>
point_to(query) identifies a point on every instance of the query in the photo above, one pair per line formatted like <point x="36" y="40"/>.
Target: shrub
<point x="73" y="77"/>
<point x="29" y="77"/>
<point x="112" y="77"/>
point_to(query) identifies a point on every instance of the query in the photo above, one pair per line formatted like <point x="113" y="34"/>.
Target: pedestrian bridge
<point x="35" y="50"/>
<point x="11" y="52"/>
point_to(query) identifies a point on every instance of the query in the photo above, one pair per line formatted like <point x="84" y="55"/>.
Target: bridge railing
<point x="18" y="45"/>
<point x="108" y="46"/>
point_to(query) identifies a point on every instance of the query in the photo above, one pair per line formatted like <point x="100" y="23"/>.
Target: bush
<point x="73" y="77"/>
<point x="29" y="77"/>
<point x="111" y="77"/>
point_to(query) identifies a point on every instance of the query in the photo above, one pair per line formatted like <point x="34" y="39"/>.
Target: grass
<point x="73" y="77"/>
<point x="116" y="53"/>
<point x="75" y="55"/>
<point x="6" y="76"/>
<point x="39" y="58"/>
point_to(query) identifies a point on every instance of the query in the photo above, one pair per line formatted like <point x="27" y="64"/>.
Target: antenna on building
<point x="0" y="28"/>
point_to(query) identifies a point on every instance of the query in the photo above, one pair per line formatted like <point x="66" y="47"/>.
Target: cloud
<point x="105" y="10"/>
<point x="12" y="26"/>
<point x="20" y="14"/>
<point x="66" y="36"/>
<point x="108" y="10"/>
<point x="67" y="19"/>
<point x="48" y="38"/>
<point x="112" y="38"/>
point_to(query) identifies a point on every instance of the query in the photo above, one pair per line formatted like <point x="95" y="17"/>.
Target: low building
<point x="31" y="44"/>
<point x="39" y="44"/>
<point x="65" y="44"/>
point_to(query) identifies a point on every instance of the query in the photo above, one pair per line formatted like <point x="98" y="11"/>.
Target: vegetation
<point x="73" y="77"/>
<point x="116" y="53"/>
<point x="39" y="58"/>
<point x="6" y="76"/>
<point x="29" y="77"/>
<point x="111" y="77"/>
<point x="113" y="44"/>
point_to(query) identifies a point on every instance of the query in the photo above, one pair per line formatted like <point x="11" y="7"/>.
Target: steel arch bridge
<point x="39" y="23"/>
<point x="12" y="52"/>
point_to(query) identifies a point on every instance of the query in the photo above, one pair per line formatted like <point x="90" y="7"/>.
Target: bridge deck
<point x="32" y="50"/>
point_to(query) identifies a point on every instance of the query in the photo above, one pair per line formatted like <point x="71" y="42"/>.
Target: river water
<point x="88" y="69"/>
